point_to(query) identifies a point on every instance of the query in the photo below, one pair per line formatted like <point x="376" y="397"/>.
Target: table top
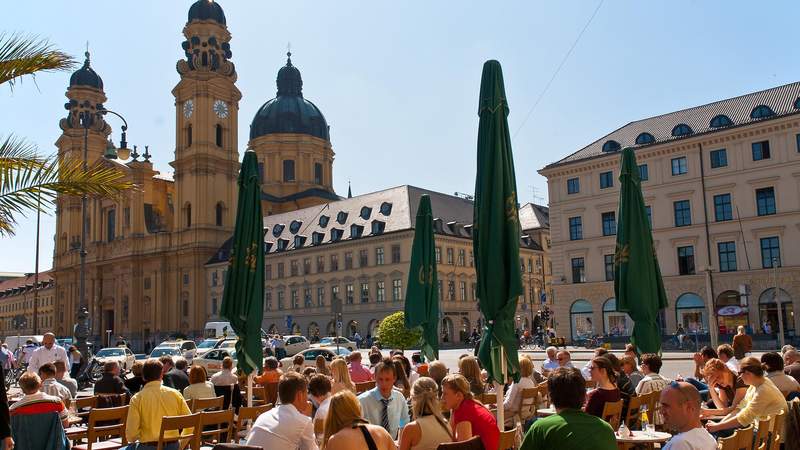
<point x="74" y="420"/>
<point x="641" y="437"/>
<point x="544" y="412"/>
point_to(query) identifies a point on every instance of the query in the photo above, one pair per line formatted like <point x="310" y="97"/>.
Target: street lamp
<point x="781" y="340"/>
<point x="87" y="118"/>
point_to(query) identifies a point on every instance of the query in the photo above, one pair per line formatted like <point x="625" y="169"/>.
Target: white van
<point x="218" y="330"/>
<point x="19" y="341"/>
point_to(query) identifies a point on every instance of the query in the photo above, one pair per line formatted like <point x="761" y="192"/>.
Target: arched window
<point x="189" y="136"/>
<point x="616" y="323"/>
<point x="681" y="129"/>
<point x="761" y="112"/>
<point x="720" y="120"/>
<point x="731" y="311"/>
<point x="768" y="311"/>
<point x="645" y="138"/>
<point x="219" y="135"/>
<point x="218" y="211"/>
<point x="288" y="170"/>
<point x="690" y="311"/>
<point x="580" y="317"/>
<point x="188" y="215"/>
<point x="611" y="146"/>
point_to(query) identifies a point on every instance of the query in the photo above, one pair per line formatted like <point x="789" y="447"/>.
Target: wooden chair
<point x="487" y="399"/>
<point x="777" y="433"/>
<point x="612" y="411"/>
<point x="188" y="430"/>
<point x="84" y="405"/>
<point x="742" y="439"/>
<point x="632" y="415"/>
<point x="473" y="443"/>
<point x="216" y="426"/>
<point x="104" y="424"/>
<point x="247" y="415"/>
<point x="763" y="431"/>
<point x="111" y="400"/>
<point x="207" y="404"/>
<point x="528" y="403"/>
<point x="259" y="396"/>
<point x="508" y="440"/>
<point x="364" y="386"/>
<point x="544" y="395"/>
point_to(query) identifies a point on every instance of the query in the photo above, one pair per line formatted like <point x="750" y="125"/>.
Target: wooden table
<point x="544" y="412"/>
<point x="639" y="437"/>
<point x="74" y="420"/>
<point x="75" y="433"/>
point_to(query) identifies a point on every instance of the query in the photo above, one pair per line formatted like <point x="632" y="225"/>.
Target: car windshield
<point x="170" y="344"/>
<point x="164" y="351"/>
<point x="208" y="343"/>
<point x="106" y="352"/>
<point x="326" y="341"/>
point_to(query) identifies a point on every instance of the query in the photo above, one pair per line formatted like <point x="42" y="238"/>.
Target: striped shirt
<point x="38" y="403"/>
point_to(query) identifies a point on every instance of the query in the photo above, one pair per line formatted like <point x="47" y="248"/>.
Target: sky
<point x="398" y="82"/>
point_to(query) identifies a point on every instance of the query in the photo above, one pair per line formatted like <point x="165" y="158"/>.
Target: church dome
<point x="289" y="112"/>
<point x="206" y="10"/>
<point x="86" y="76"/>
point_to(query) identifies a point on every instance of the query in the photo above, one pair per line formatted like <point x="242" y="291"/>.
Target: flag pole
<point x="250" y="389"/>
<point x="498" y="391"/>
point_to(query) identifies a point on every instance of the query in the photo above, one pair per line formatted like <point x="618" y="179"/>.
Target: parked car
<point x="206" y="346"/>
<point x="161" y="351"/>
<point x="188" y="349"/>
<point x="331" y="342"/>
<point x="295" y="344"/>
<point x="122" y="355"/>
<point x="310" y="356"/>
<point x="141" y="356"/>
<point x="212" y="360"/>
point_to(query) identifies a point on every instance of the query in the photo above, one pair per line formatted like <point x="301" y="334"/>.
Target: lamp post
<point x="781" y="340"/>
<point x="87" y="118"/>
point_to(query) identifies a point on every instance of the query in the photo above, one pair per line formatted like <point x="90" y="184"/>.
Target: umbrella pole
<point x="498" y="390"/>
<point x="250" y="389"/>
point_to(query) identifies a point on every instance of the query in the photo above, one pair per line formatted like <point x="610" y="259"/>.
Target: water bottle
<point x="623" y="431"/>
<point x="645" y="422"/>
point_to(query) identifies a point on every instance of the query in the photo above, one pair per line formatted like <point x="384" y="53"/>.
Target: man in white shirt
<point x="550" y="363"/>
<point x="727" y="356"/>
<point x="289" y="425"/>
<point x="680" y="408"/>
<point x="47" y="353"/>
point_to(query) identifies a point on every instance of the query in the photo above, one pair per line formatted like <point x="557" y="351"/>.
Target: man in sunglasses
<point x="680" y="409"/>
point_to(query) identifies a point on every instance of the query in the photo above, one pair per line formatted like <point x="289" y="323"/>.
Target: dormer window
<point x="283" y="244"/>
<point x="356" y="231"/>
<point x="761" y="112"/>
<point x="720" y="121"/>
<point x="278" y="229"/>
<point x="611" y="146"/>
<point x="317" y="238"/>
<point x="341" y="217"/>
<point x="366" y="212"/>
<point x="323" y="221"/>
<point x="378" y="226"/>
<point x="299" y="241"/>
<point x="294" y="227"/>
<point x="386" y="208"/>
<point x="645" y="138"/>
<point x="681" y="129"/>
<point x="336" y="234"/>
<point x="267" y="247"/>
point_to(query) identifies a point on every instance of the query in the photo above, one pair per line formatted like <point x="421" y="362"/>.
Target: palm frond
<point x="20" y="192"/>
<point x="26" y="55"/>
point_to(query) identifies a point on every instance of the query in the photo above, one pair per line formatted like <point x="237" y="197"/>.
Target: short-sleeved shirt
<point x="694" y="439"/>
<point x="483" y="422"/>
<point x="570" y="429"/>
<point x="597" y="399"/>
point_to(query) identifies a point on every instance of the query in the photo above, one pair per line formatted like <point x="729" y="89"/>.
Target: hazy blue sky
<point x="398" y="81"/>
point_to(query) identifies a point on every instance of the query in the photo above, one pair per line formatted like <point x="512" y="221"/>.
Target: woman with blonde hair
<point x="322" y="366"/>
<point x="429" y="429"/>
<point x="346" y="429"/>
<point x="468" y="417"/>
<point x="341" y="376"/>
<point x="512" y="403"/>
<point x="469" y="368"/>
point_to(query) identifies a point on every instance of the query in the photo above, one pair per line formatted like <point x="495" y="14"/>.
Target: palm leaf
<point x="26" y="55"/>
<point x="22" y="188"/>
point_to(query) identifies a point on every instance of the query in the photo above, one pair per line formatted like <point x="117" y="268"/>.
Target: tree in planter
<point x="393" y="333"/>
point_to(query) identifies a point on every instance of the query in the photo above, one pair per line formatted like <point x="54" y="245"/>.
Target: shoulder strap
<point x="367" y="437"/>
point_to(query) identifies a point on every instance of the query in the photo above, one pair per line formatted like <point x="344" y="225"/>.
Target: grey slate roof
<point x="783" y="100"/>
<point x="371" y="214"/>
<point x="533" y="216"/>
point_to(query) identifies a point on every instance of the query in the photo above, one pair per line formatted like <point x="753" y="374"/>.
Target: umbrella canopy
<point x="422" y="295"/>
<point x="243" y="298"/>
<point x="638" y="286"/>
<point x="496" y="229"/>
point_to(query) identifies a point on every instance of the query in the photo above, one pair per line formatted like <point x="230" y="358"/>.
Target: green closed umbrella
<point x="496" y="230"/>
<point x="243" y="298"/>
<point x="422" y="295"/>
<point x="638" y="286"/>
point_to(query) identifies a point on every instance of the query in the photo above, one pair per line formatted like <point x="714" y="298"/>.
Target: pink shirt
<point x="359" y="373"/>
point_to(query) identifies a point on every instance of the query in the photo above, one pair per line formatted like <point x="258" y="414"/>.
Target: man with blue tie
<point x="383" y="405"/>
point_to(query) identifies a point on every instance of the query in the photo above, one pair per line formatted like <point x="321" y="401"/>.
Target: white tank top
<point x="433" y="434"/>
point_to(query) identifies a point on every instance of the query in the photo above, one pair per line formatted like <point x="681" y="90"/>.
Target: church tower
<point x="292" y="140"/>
<point x="206" y="115"/>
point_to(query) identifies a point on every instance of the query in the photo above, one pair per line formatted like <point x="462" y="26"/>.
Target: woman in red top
<point x="468" y="417"/>
<point x="602" y="372"/>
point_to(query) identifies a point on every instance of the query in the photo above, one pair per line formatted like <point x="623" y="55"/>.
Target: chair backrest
<point x="231" y="394"/>
<point x="105" y="423"/>
<point x="84" y="405"/>
<point x="777" y="432"/>
<point x="217" y="426"/>
<point x="764" y="429"/>
<point x="188" y="427"/>
<point x="271" y="395"/>
<point x="248" y="414"/>
<point x="527" y="406"/>
<point x="612" y="411"/>
<point x="742" y="439"/>
<point x="319" y="426"/>
<point x="111" y="400"/>
<point x="543" y="393"/>
<point x="207" y="404"/>
<point x="508" y="440"/>
<point x="473" y="443"/>
<point x="364" y="386"/>
<point x="632" y="415"/>
<point x="487" y="399"/>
